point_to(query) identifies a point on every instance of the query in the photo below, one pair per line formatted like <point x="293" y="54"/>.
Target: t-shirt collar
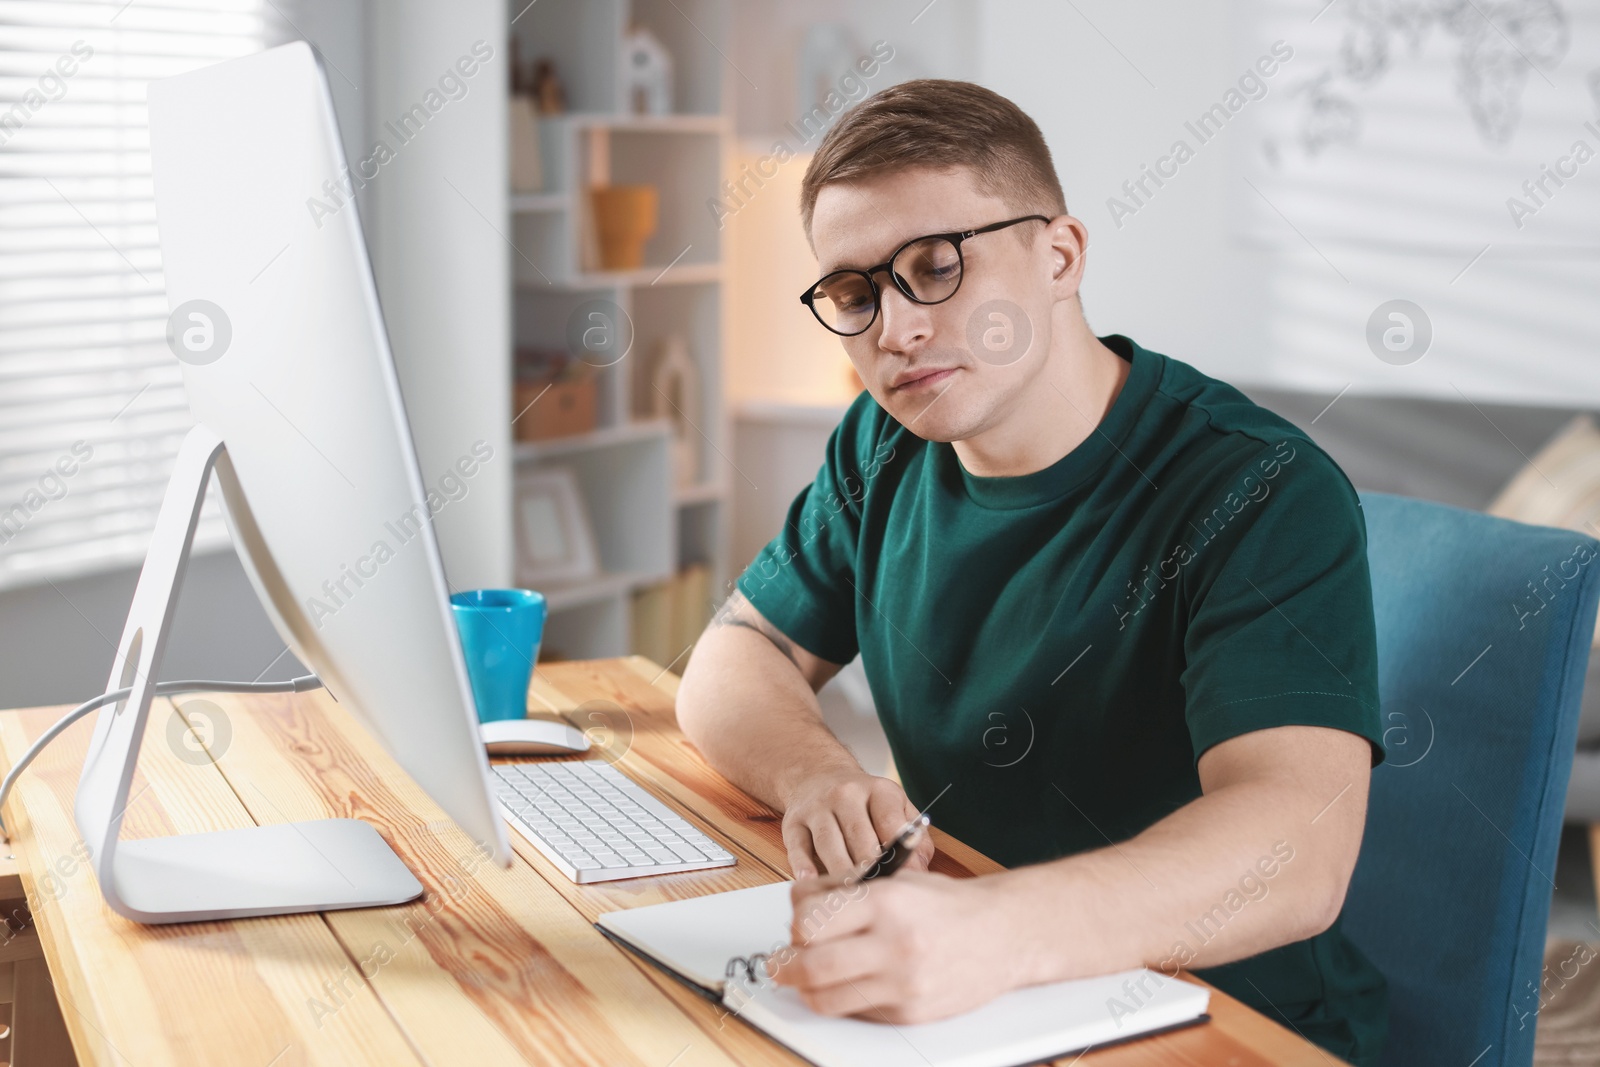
<point x="1071" y="470"/>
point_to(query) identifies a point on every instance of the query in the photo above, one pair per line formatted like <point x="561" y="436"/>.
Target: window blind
<point x="92" y="408"/>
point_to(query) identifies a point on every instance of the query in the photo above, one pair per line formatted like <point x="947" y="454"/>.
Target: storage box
<point x="562" y="405"/>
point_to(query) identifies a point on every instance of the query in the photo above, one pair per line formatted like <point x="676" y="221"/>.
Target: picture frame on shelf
<point x="554" y="539"/>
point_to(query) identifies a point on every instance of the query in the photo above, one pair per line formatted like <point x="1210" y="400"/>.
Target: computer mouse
<point x="531" y="737"/>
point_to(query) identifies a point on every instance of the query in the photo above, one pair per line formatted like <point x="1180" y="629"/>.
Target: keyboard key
<point x="685" y="852"/>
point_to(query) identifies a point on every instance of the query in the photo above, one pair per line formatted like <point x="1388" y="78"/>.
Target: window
<point x="92" y="408"/>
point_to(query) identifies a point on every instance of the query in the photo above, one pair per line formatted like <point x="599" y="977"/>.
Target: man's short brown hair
<point x="932" y="122"/>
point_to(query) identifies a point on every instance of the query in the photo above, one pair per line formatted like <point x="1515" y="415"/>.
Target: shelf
<point x="704" y="493"/>
<point x="640" y="123"/>
<point x="681" y="274"/>
<point x="605" y="437"/>
<point x="594" y="590"/>
<point x="644" y="524"/>
<point x="530" y="203"/>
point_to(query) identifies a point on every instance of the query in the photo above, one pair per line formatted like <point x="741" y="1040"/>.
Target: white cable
<point x="303" y="684"/>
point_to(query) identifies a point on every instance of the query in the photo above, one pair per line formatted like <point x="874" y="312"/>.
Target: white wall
<point x="57" y="641"/>
<point x="1171" y="277"/>
<point x="929" y="40"/>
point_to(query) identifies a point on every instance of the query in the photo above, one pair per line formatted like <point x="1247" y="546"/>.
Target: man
<point x="1116" y="618"/>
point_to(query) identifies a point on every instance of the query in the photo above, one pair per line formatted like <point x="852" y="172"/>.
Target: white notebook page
<point x="697" y="937"/>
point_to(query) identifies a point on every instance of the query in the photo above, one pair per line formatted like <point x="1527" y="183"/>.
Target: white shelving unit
<point x="647" y="525"/>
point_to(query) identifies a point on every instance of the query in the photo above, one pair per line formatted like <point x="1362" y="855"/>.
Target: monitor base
<point x="279" y="869"/>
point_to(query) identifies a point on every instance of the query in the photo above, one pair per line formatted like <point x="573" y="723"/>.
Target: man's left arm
<point x="1260" y="860"/>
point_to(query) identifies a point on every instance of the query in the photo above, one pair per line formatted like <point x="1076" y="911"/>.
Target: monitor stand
<point x="227" y="874"/>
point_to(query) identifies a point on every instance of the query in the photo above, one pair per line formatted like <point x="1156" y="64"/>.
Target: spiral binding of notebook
<point x="752" y="967"/>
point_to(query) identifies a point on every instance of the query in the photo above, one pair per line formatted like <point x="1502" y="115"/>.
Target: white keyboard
<point x="597" y="824"/>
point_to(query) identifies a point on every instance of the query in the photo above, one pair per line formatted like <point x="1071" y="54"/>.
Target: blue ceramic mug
<point x="500" y="634"/>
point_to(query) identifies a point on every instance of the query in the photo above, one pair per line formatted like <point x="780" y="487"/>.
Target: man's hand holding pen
<point x="907" y="949"/>
<point x="886" y="948"/>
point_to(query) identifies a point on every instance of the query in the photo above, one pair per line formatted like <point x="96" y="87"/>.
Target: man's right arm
<point x="748" y="701"/>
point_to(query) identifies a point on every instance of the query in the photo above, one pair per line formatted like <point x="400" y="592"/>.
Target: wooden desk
<point x="492" y="966"/>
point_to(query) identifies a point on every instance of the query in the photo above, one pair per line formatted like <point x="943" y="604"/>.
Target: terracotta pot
<point x="625" y="218"/>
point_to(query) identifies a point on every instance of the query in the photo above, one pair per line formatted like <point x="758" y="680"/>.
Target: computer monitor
<point x="301" y="421"/>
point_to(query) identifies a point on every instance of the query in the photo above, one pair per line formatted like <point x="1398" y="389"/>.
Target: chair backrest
<point x="1484" y="628"/>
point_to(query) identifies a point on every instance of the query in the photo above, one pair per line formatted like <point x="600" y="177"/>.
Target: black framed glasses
<point x="926" y="270"/>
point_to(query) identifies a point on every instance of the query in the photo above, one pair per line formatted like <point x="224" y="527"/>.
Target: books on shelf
<point x="669" y="617"/>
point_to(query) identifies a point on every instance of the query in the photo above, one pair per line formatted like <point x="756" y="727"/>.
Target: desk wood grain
<point x="491" y="966"/>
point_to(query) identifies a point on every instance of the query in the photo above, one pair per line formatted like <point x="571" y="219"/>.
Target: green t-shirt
<point x="1060" y="648"/>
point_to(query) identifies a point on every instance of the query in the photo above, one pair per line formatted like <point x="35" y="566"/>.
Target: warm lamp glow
<point x="777" y="352"/>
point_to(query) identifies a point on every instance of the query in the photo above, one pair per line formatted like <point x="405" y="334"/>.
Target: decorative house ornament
<point x="646" y="73"/>
<point x="674" y="394"/>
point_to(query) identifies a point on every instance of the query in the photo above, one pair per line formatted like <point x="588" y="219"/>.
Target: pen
<point x="891" y="859"/>
<point x="897" y="851"/>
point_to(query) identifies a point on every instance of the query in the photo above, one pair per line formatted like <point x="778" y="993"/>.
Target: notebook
<point x="697" y="939"/>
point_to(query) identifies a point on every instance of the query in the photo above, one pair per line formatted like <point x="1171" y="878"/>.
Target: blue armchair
<point x="1483" y="640"/>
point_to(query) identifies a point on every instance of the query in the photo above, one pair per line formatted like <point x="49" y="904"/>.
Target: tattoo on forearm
<point x="729" y="615"/>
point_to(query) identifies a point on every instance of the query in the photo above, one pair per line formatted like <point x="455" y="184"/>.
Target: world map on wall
<point x="1496" y="49"/>
<point x="1440" y="152"/>
<point x="1415" y="123"/>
